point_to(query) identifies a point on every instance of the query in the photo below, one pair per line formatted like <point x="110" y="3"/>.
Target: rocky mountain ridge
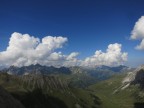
<point x="36" y="69"/>
<point x="134" y="77"/>
<point x="39" y="69"/>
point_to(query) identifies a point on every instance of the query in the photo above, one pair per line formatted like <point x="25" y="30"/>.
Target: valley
<point x="39" y="86"/>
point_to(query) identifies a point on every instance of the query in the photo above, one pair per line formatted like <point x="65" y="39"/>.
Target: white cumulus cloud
<point x="112" y="57"/>
<point x="24" y="50"/>
<point x="138" y="33"/>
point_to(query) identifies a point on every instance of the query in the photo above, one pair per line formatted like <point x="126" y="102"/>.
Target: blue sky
<point x="89" y="25"/>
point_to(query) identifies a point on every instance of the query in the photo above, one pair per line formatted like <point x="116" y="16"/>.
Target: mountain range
<point x="76" y="76"/>
<point x="47" y="70"/>
<point x="37" y="86"/>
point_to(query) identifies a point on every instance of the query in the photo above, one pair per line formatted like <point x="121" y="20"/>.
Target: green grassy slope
<point x="38" y="98"/>
<point x="98" y="95"/>
<point x="121" y="99"/>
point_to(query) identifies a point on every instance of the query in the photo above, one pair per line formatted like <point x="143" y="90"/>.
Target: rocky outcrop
<point x="36" y="69"/>
<point x="134" y="77"/>
<point x="139" y="78"/>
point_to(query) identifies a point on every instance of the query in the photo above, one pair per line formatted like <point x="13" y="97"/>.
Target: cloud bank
<point x="112" y="57"/>
<point x="24" y="50"/>
<point x="138" y="33"/>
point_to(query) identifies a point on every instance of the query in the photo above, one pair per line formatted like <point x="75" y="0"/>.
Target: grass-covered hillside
<point x="47" y="92"/>
<point x="77" y="90"/>
<point x="113" y="96"/>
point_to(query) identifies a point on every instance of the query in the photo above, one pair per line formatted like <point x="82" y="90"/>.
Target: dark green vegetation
<point x="39" y="91"/>
<point x="7" y="101"/>
<point x="74" y="87"/>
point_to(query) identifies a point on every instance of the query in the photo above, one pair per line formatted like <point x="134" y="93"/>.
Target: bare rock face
<point x="7" y="101"/>
<point x="134" y="77"/>
<point x="36" y="69"/>
<point x="139" y="78"/>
